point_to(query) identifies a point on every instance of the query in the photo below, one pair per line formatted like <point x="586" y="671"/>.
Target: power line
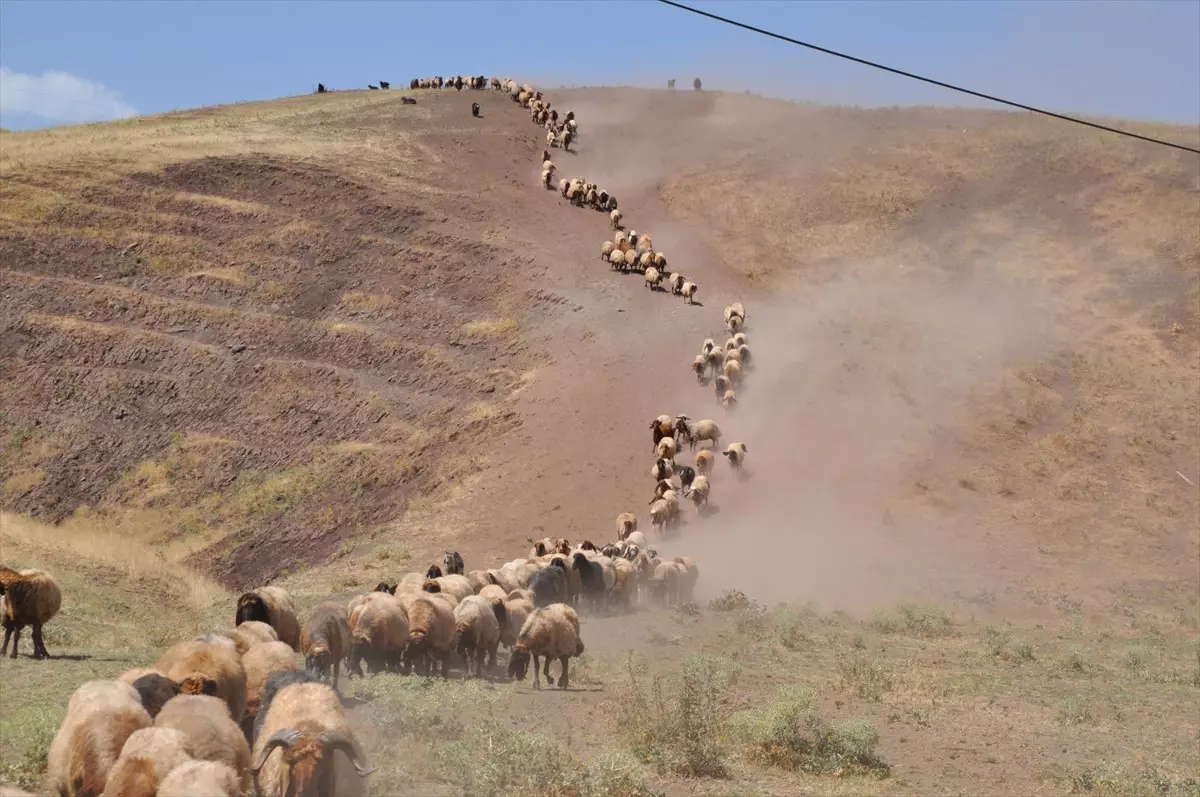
<point x="952" y="87"/>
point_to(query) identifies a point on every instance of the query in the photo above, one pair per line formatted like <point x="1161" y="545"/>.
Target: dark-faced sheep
<point x="325" y="640"/>
<point x="305" y="722"/>
<point x="27" y="597"/>
<point x="273" y="606"/>
<point x="687" y="476"/>
<point x="551" y="633"/>
<point x="101" y="716"/>
<point x="549" y="586"/>
<point x="736" y="454"/>
<point x="154" y="689"/>
<point x="591" y="575"/>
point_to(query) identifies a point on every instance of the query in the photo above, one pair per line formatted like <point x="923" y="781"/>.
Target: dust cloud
<point x="855" y="388"/>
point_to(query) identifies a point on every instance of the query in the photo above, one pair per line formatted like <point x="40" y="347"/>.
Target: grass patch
<point x="676" y="725"/>
<point x="787" y="733"/>
<point x="497" y="328"/>
<point x="1114" y="779"/>
<point x="863" y="676"/>
<point x="914" y="619"/>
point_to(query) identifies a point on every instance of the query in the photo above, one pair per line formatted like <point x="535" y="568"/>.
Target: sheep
<point x="101" y="716"/>
<point x="730" y="345"/>
<point x="704" y="461"/>
<point x="260" y="662"/>
<point x="687" y="477"/>
<point x="663" y="469"/>
<point x="430" y="634"/>
<point x="591" y="575"/>
<point x="250" y="633"/>
<point x="590" y="196"/>
<point x="210" y="733"/>
<point x="273" y="606"/>
<point x="735" y="323"/>
<point x="146" y="758"/>
<point x="729" y="400"/>
<point x="454" y="585"/>
<point x="617" y="260"/>
<point x="308" y="725"/>
<point x="660" y="516"/>
<point x="615" y="217"/>
<point x="688" y="291"/>
<point x="549" y="586"/>
<point x="626" y="525"/>
<point x="625" y="586"/>
<point x="646" y="262"/>
<point x="735" y="309"/>
<point x="547" y="176"/>
<point x="210" y="778"/>
<point x="716" y="357"/>
<point x="661" y="489"/>
<point x="154" y="689"/>
<point x="378" y="633"/>
<point x="326" y="640"/>
<point x="720" y="385"/>
<point x="434" y="571"/>
<point x="676" y="281"/>
<point x="664" y="585"/>
<point x="517" y="609"/>
<point x="703" y="430"/>
<point x="218" y="639"/>
<point x="744" y="355"/>
<point x="478" y="579"/>
<point x="736" y="453"/>
<point x="709" y="345"/>
<point x="733" y="372"/>
<point x="566" y="140"/>
<point x="551" y="632"/>
<point x="606" y="249"/>
<point x="652" y="278"/>
<point x="740" y="339"/>
<point x="700" y="367"/>
<point x="666" y="448"/>
<point x="699" y="491"/>
<point x="203" y="669"/>
<point x="660" y="261"/>
<point x="636" y="538"/>
<point x="477" y="623"/>
<point x="28" y="597"/>
<point x="733" y="355"/>
<point x="688" y="578"/>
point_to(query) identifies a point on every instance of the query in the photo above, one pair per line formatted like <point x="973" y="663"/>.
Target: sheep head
<point x="309" y="757"/>
<point x="433" y="572"/>
<point x="318" y="659"/>
<point x="383" y="586"/>
<point x="251" y="606"/>
<point x="518" y="662"/>
<point x="431" y="586"/>
<point x="198" y="685"/>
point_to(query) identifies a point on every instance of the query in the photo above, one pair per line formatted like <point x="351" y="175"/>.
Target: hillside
<point x="323" y="339"/>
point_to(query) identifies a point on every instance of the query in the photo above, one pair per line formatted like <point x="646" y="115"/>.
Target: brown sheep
<point x="154" y="689"/>
<point x="477" y="622"/>
<point x="551" y="632"/>
<point x="201" y="668"/>
<point x="260" y="662"/>
<point x="28" y="597"/>
<point x="211" y="733"/>
<point x="430" y="634"/>
<point x="250" y="633"/>
<point x="101" y="715"/>
<point x="273" y="606"/>
<point x="325" y="640"/>
<point x="209" y="778"/>
<point x="146" y="758"/>
<point x="378" y="633"/>
<point x="626" y="524"/>
<point x="305" y="721"/>
<point x="704" y="461"/>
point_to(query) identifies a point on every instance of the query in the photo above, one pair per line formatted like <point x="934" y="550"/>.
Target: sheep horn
<point x="336" y="740"/>
<point x="284" y="737"/>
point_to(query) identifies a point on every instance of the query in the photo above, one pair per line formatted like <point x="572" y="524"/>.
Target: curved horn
<point x="336" y="740"/>
<point x="284" y="737"/>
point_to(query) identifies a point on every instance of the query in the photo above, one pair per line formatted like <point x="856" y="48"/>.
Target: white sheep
<point x="675" y="280"/>
<point x="666" y="448"/>
<point x="606" y="249"/>
<point x="547" y="177"/>
<point x="732" y="370"/>
<point x="702" y="430"/>
<point x="617" y="259"/>
<point x="615" y="218"/>
<point x="736" y="453"/>
<point x="652" y="278"/>
<point x="700" y="366"/>
<point x="699" y="490"/>
<point x="688" y="291"/>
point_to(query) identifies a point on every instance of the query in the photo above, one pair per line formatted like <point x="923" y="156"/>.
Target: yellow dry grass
<point x="492" y="328"/>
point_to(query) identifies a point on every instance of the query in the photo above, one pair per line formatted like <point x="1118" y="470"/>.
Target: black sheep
<point x="591" y="576"/>
<point x="686" y="476"/>
<point x="549" y="585"/>
<point x="383" y="84"/>
<point x="475" y="109"/>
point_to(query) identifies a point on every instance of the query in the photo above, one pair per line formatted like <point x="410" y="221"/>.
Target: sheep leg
<point x="337" y="672"/>
<point x="546" y="671"/>
<point x="562" y="680"/>
<point x="16" y="639"/>
<point x="537" y="675"/>
<point x="39" y="646"/>
<point x="446" y="664"/>
<point x="7" y="633"/>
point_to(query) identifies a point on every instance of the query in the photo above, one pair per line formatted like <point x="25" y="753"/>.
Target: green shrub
<point x="915" y="619"/>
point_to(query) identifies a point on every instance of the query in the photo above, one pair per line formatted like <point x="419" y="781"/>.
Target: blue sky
<point x="66" y="61"/>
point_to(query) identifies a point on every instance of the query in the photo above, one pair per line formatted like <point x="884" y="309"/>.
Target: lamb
<point x="147" y="756"/>
<point x="591" y="575"/>
<point x="699" y="491"/>
<point x="273" y="606"/>
<point x="615" y="217"/>
<point x="28" y="597"/>
<point x="703" y="430"/>
<point x="626" y="525"/>
<point x="378" y="633"/>
<point x="210" y="733"/>
<point x="305" y="721"/>
<point x="736" y="453"/>
<point x="688" y="291"/>
<point x="326" y="640"/>
<point x="477" y="622"/>
<point x="551" y="632"/>
<point x="430" y="634"/>
<point x="101" y="716"/>
<point x="210" y="778"/>
<point x="204" y="669"/>
<point x="549" y="585"/>
<point x="704" y="461"/>
<point x="666" y="448"/>
<point x="260" y="662"/>
<point x="652" y="278"/>
<point x="733" y="372"/>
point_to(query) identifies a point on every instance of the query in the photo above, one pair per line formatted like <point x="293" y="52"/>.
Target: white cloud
<point x="59" y="97"/>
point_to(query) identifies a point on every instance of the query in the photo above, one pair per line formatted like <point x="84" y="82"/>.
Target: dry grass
<point x="498" y="328"/>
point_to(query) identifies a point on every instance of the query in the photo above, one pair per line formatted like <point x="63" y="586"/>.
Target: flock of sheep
<point x="210" y="714"/>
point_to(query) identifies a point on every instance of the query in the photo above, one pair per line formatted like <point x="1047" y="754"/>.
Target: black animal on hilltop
<point x="383" y="84"/>
<point x="696" y="84"/>
<point x="320" y="88"/>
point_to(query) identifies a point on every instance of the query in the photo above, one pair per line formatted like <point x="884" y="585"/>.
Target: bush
<point x="1110" y="779"/>
<point x="916" y="619"/>
<point x="789" y="734"/>
<point x="677" y="726"/>
<point x="868" y="680"/>
<point x="730" y="600"/>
